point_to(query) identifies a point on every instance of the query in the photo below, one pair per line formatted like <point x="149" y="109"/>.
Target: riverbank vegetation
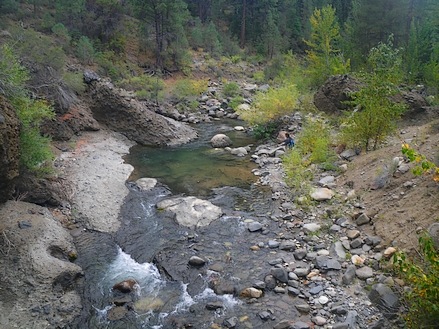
<point x="165" y="50"/>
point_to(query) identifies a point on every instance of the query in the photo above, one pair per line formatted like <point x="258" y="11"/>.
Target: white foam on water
<point x="124" y="267"/>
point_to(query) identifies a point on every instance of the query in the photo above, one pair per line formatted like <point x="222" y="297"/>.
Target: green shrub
<point x="266" y="130"/>
<point x="35" y="152"/>
<point x="315" y="142"/>
<point x="145" y="87"/>
<point x="62" y="33"/>
<point x="75" y="81"/>
<point x="298" y="175"/>
<point x="235" y="102"/>
<point x="85" y="50"/>
<point x="271" y="105"/>
<point x="230" y="89"/>
<point x="188" y="89"/>
<point x="423" y="278"/>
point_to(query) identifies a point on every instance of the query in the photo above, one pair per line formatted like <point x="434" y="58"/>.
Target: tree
<point x="372" y="22"/>
<point x="167" y="18"/>
<point x="324" y="58"/>
<point x="375" y="112"/>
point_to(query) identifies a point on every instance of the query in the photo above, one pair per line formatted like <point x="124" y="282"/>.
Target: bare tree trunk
<point x="243" y="22"/>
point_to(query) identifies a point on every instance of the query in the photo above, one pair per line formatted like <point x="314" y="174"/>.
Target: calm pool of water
<point x="196" y="168"/>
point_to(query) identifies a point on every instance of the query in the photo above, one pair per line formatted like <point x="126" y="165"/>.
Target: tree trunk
<point x="243" y="22"/>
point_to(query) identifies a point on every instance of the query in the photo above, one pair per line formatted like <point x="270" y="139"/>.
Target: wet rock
<point x="126" y="286"/>
<point x="385" y="299"/>
<point x="251" y="293"/>
<point x="196" y="261"/>
<point x="231" y="322"/>
<point x="212" y="306"/>
<point x="117" y="313"/>
<point x="146" y="184"/>
<point x="254" y="226"/>
<point x="191" y="211"/>
<point x="280" y="274"/>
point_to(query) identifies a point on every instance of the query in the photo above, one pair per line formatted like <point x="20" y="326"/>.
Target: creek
<point x="152" y="249"/>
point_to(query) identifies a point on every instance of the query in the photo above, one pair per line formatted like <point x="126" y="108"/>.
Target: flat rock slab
<point x="191" y="211"/>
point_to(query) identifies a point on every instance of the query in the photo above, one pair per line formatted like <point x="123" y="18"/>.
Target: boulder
<point x="385" y="299"/>
<point x="220" y="141"/>
<point x="191" y="211"/>
<point x="111" y="107"/>
<point x="335" y="92"/>
<point x="126" y="286"/>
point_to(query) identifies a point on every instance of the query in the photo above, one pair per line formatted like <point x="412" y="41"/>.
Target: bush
<point x="315" y="142"/>
<point x="271" y="105"/>
<point x="188" y="89"/>
<point x="423" y="277"/>
<point x="35" y="152"/>
<point x="85" y="50"/>
<point x="145" y="87"/>
<point x="230" y="89"/>
<point x="266" y="130"/>
<point x="75" y="81"/>
<point x="298" y="175"/>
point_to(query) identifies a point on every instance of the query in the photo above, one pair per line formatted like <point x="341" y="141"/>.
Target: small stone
<point x="364" y="273"/>
<point x="357" y="260"/>
<point x="319" y="320"/>
<point x="311" y="227"/>
<point x="362" y="220"/>
<point x="196" y="261"/>
<point x="389" y="252"/>
<point x="254" y="226"/>
<point x="352" y="234"/>
<point x="251" y="293"/>
<point x="323" y="300"/>
<point x="303" y="308"/>
<point x="322" y="194"/>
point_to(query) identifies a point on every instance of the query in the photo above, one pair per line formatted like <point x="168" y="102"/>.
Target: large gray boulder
<point x="121" y="112"/>
<point x="191" y="211"/>
<point x="39" y="278"/>
<point x="220" y="140"/>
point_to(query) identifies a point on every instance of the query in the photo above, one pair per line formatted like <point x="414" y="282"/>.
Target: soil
<point x="407" y="205"/>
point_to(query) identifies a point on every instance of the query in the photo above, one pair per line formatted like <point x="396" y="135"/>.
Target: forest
<point x="150" y="47"/>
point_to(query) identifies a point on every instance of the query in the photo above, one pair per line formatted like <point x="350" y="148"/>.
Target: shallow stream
<point x="177" y="294"/>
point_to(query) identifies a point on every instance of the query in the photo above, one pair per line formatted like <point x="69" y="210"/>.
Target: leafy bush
<point x="423" y="277"/>
<point x="423" y="165"/>
<point x="296" y="169"/>
<point x="62" y="33"/>
<point x="235" y="102"/>
<point x="376" y="114"/>
<point x="188" y="89"/>
<point x="230" y="89"/>
<point x="146" y="87"/>
<point x="85" y="50"/>
<point x="35" y="152"/>
<point x="271" y="105"/>
<point x="75" y="81"/>
<point x="266" y="130"/>
<point x="315" y="142"/>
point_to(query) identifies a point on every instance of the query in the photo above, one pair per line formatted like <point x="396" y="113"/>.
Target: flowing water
<point x="147" y="237"/>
